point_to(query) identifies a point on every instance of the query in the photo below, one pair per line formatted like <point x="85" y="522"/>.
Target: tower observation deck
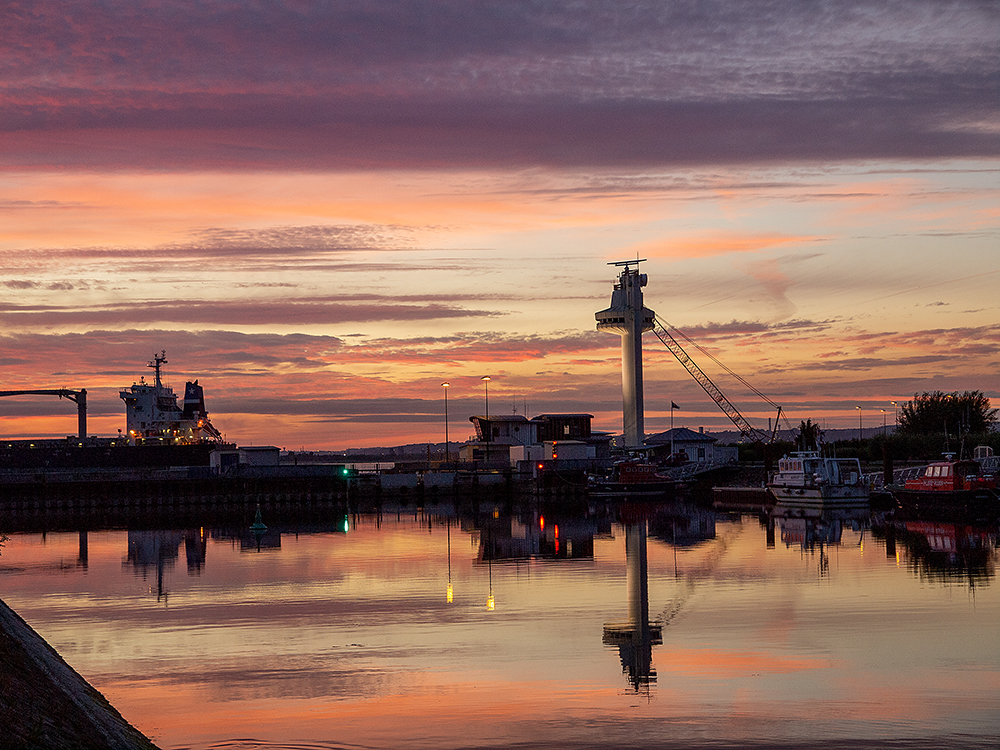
<point x="629" y="319"/>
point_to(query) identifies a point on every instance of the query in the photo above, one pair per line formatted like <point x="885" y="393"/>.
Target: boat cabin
<point x="948" y="476"/>
<point x="634" y="472"/>
<point x="810" y="468"/>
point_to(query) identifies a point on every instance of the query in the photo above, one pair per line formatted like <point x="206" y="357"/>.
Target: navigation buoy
<point x="258" y="526"/>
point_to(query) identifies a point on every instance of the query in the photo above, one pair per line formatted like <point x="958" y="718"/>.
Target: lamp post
<point x="861" y="428"/>
<point x="895" y="407"/>
<point x="447" y="445"/>
<point x="489" y="430"/>
<point x="883" y="424"/>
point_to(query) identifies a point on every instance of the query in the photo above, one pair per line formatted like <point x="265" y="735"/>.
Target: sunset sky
<point x="324" y="210"/>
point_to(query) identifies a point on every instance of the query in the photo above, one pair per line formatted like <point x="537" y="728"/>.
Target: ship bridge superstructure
<point x="628" y="318"/>
<point x="152" y="414"/>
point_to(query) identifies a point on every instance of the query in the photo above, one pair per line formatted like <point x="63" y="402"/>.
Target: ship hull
<point x="814" y="497"/>
<point x="630" y="489"/>
<point x="980" y="502"/>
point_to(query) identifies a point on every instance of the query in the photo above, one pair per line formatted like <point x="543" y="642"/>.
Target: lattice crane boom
<point x="712" y="389"/>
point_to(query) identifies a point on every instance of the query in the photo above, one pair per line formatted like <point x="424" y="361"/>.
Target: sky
<point x="322" y="211"/>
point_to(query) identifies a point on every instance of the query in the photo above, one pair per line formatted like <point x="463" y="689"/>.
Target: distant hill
<point x="829" y="435"/>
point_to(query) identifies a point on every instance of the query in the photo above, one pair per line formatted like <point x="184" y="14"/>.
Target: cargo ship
<point x="152" y="415"/>
<point x="159" y="433"/>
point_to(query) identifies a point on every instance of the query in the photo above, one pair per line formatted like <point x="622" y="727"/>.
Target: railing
<point x="876" y="480"/>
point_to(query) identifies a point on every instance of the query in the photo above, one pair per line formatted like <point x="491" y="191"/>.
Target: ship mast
<point x="158" y="360"/>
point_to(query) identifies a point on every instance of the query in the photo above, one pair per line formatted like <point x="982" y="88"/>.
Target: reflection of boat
<point x="631" y="478"/>
<point x="808" y="479"/>
<point x="950" y="550"/>
<point x="949" y="485"/>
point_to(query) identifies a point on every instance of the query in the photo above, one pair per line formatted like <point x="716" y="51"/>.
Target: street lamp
<point x="860" y="427"/>
<point x="883" y="423"/>
<point x="447" y="445"/>
<point x="489" y="430"/>
<point x="895" y="407"/>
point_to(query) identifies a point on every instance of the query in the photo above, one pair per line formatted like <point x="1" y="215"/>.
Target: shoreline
<point x="45" y="703"/>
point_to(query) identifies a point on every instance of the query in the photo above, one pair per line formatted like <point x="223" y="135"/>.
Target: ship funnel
<point x="194" y="401"/>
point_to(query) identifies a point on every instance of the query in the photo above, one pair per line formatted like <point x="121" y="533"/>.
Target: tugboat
<point x="809" y="480"/>
<point x="152" y="416"/>
<point x="950" y="485"/>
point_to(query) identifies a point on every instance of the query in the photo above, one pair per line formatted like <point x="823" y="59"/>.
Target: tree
<point x="938" y="412"/>
<point x="809" y="435"/>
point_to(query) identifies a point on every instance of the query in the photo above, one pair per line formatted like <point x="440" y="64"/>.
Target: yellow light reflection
<point x="451" y="594"/>
<point x="491" y="603"/>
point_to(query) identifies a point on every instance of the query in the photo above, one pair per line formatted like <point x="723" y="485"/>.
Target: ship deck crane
<point x="660" y="328"/>
<point x="79" y="397"/>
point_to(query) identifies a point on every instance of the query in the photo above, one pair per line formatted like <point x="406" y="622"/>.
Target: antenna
<point x="158" y="360"/>
<point x="628" y="263"/>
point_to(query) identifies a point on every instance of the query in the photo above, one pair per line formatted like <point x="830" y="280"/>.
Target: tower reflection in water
<point x="636" y="637"/>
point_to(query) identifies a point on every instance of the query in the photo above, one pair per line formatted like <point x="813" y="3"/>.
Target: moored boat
<point x="807" y="479"/>
<point x="632" y="478"/>
<point x="951" y="484"/>
<point x="153" y="417"/>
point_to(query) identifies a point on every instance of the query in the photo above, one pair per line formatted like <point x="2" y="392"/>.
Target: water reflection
<point x="83" y="555"/>
<point x="154" y="551"/>
<point x="948" y="551"/>
<point x="636" y="637"/>
<point x="817" y="531"/>
<point x="378" y="633"/>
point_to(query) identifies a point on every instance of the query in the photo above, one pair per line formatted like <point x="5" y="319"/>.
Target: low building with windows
<point x="506" y="439"/>
<point x="695" y="446"/>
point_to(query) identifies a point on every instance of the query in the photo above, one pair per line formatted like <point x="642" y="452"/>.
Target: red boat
<point x="632" y="478"/>
<point x="950" y="484"/>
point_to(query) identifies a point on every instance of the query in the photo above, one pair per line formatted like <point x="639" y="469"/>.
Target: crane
<point x="79" y="397"/>
<point x="745" y="428"/>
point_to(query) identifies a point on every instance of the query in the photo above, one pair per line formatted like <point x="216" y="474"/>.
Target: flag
<point x="674" y="406"/>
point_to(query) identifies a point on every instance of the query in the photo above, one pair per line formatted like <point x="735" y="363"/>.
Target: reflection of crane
<point x="79" y="397"/>
<point x="747" y="429"/>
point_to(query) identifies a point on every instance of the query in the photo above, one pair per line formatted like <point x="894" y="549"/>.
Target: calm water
<point x="658" y="627"/>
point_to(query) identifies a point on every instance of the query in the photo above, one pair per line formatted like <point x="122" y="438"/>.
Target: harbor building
<point x="506" y="439"/>
<point x="691" y="446"/>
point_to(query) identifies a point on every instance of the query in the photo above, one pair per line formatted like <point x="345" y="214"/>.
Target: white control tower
<point x="629" y="319"/>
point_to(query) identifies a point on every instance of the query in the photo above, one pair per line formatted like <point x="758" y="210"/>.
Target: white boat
<point x="807" y="479"/>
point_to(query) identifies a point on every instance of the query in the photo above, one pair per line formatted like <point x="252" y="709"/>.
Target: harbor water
<point x="653" y="626"/>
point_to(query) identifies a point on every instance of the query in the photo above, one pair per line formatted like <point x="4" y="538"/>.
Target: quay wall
<point x="81" y="491"/>
<point x="45" y="703"/>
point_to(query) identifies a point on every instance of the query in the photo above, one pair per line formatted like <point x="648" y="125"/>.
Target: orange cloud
<point x="709" y="245"/>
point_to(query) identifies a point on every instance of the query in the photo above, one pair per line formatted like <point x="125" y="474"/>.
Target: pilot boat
<point x="949" y="485"/>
